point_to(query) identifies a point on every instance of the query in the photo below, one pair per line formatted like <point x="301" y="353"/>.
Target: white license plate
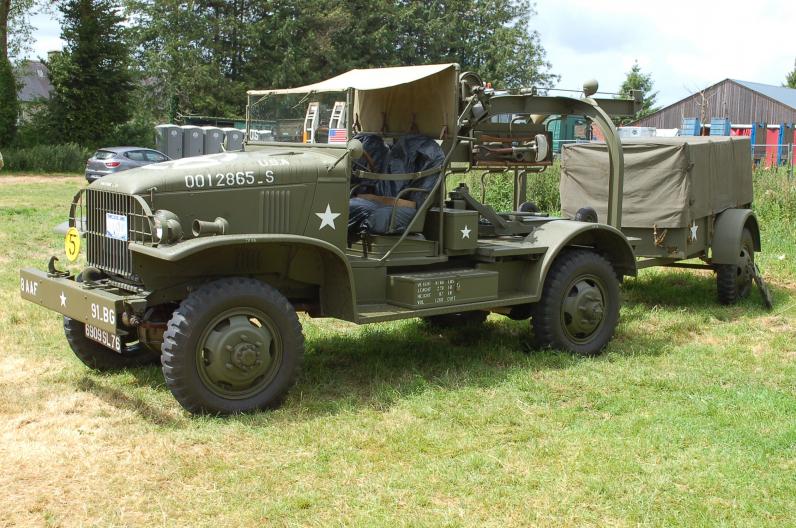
<point x="104" y="338"/>
<point x="116" y="226"/>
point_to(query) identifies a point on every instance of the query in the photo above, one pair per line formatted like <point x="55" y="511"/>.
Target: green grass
<point x="689" y="417"/>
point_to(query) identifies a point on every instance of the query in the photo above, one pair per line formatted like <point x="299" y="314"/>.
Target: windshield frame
<point x="254" y="99"/>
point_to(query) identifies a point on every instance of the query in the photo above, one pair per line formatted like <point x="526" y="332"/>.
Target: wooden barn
<point x="764" y="112"/>
<point x="739" y="101"/>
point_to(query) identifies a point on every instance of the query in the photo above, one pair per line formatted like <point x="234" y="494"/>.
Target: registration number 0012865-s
<point x="104" y="338"/>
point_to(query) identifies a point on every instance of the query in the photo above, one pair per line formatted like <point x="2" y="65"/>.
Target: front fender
<point x="727" y="231"/>
<point x="325" y="263"/>
<point x="606" y="240"/>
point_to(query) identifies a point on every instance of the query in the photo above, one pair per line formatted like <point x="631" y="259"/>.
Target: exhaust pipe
<point x="219" y="226"/>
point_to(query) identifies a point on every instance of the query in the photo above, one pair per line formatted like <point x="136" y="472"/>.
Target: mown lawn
<point x="689" y="418"/>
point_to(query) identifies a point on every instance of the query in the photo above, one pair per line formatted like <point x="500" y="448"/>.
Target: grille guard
<point x="111" y="255"/>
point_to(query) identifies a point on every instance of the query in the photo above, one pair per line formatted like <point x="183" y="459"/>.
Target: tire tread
<point x="178" y="334"/>
<point x="545" y="316"/>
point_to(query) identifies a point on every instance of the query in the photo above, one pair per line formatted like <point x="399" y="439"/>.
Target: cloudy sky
<point x="686" y="45"/>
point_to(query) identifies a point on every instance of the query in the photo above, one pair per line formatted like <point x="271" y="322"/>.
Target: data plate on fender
<point x="104" y="338"/>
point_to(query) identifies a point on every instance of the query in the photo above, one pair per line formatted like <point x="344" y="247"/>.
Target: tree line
<point x="127" y="64"/>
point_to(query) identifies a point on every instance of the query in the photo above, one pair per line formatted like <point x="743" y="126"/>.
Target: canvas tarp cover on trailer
<point x="668" y="182"/>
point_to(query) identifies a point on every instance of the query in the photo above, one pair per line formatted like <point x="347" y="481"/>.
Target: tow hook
<point x="53" y="271"/>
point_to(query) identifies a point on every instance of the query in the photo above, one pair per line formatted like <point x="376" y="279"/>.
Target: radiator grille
<point x="104" y="252"/>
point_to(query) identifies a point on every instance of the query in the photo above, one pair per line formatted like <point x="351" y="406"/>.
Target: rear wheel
<point x="233" y="345"/>
<point x="101" y="358"/>
<point x="579" y="308"/>
<point x="734" y="281"/>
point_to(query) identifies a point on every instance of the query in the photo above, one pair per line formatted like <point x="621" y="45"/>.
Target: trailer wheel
<point x="579" y="308"/>
<point x="102" y="358"/>
<point x="233" y="345"/>
<point x="734" y="281"/>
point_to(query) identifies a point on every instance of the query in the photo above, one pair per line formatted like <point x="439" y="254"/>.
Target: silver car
<point x="116" y="159"/>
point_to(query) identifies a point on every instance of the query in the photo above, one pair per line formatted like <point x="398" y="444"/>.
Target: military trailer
<point x="684" y="198"/>
<point x="203" y="263"/>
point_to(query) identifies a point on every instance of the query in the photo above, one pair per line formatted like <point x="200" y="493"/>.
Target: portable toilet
<point x="213" y="139"/>
<point x="168" y="139"/>
<point x="193" y="141"/>
<point x="233" y="139"/>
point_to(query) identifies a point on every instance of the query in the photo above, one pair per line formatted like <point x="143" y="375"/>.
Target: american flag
<point x="338" y="135"/>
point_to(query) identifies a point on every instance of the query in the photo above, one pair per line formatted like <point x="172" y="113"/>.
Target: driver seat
<point x="408" y="171"/>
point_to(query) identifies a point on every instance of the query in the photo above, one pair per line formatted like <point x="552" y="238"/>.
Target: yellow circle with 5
<point x="72" y="244"/>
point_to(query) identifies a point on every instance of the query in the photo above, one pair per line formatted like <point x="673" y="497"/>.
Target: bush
<point x="69" y="157"/>
<point x="542" y="189"/>
<point x="775" y="196"/>
<point x="135" y="133"/>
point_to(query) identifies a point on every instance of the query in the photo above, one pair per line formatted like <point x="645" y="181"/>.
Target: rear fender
<point x="727" y="230"/>
<point x="604" y="239"/>
<point x="293" y="258"/>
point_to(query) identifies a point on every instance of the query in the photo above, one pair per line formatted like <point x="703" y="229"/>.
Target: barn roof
<point x="781" y="94"/>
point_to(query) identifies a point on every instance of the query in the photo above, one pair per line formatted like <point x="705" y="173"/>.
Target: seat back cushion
<point x="412" y="153"/>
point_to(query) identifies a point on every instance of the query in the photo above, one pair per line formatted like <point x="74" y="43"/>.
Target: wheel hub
<point x="245" y="356"/>
<point x="583" y="309"/>
<point x="744" y="272"/>
<point x="236" y="355"/>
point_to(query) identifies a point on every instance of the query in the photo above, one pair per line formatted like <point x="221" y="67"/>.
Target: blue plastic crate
<point x="691" y="127"/>
<point x="719" y="127"/>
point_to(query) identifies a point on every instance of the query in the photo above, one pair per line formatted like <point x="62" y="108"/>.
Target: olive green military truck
<point x="203" y="263"/>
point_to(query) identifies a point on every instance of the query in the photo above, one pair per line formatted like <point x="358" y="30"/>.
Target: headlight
<point x="168" y="229"/>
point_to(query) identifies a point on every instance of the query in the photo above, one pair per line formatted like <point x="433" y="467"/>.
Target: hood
<point x="271" y="165"/>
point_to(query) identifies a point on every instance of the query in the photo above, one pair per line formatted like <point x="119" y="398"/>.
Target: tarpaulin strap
<point x="396" y="177"/>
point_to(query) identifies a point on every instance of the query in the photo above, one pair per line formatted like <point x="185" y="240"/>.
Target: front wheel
<point x="579" y="308"/>
<point x="233" y="345"/>
<point x="102" y="358"/>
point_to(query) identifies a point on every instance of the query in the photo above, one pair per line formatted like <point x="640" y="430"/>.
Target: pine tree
<point x="636" y="80"/>
<point x="91" y="78"/>
<point x="790" y="80"/>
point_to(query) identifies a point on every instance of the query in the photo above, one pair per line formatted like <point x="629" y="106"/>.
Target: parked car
<point x="117" y="159"/>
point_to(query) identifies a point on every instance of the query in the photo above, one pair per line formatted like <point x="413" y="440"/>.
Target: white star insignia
<point x="63" y="299"/>
<point x="327" y="217"/>
<point x="466" y="232"/>
<point x="694" y="228"/>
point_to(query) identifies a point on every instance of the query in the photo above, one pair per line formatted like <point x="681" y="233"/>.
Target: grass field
<point x="688" y="418"/>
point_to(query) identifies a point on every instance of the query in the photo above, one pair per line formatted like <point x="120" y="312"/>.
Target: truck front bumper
<point x="87" y="304"/>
